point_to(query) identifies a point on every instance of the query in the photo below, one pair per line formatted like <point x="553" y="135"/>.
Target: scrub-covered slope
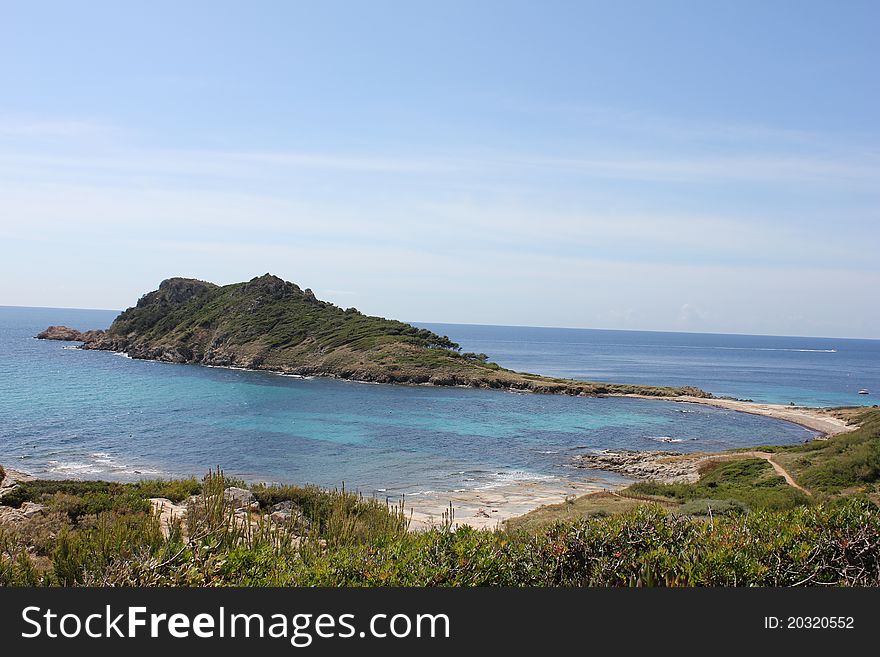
<point x="270" y="324"/>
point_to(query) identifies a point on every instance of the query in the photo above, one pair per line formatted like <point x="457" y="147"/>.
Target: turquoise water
<point x="65" y="412"/>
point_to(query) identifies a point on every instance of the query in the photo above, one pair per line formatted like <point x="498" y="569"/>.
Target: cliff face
<point x="270" y="324"/>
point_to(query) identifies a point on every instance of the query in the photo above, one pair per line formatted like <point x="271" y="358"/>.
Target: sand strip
<point x="818" y="419"/>
<point x="487" y="508"/>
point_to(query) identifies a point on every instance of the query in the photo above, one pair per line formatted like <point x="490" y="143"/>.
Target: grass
<point x="848" y="462"/>
<point x="593" y="505"/>
<point x="846" y="465"/>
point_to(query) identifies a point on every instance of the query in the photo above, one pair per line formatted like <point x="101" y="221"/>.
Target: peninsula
<point x="273" y="325"/>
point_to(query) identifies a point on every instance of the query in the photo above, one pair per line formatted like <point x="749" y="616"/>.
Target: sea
<point x="69" y="413"/>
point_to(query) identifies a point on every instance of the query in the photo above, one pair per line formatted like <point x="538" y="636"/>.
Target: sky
<point x="683" y="166"/>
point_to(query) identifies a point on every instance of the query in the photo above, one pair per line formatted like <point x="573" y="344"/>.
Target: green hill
<point x="270" y="324"/>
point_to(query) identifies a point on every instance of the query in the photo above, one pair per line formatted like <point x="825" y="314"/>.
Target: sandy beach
<point x="823" y="420"/>
<point x="487" y="508"/>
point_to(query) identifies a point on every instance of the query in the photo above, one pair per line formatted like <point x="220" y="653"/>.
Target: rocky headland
<point x="274" y="325"/>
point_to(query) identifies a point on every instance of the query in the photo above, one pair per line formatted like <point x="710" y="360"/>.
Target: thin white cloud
<point x="496" y="237"/>
<point x="35" y="128"/>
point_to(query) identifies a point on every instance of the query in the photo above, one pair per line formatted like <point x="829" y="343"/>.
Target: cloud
<point x="34" y="128"/>
<point x="508" y="236"/>
<point x="691" y="316"/>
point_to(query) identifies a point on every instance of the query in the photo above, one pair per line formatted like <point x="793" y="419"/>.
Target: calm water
<point x="807" y="371"/>
<point x="71" y="413"/>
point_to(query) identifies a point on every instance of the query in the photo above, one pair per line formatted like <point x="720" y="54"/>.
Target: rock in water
<point x="68" y="334"/>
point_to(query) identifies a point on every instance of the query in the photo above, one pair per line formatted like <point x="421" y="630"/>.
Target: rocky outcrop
<point x="288" y="513"/>
<point x="9" y="479"/>
<point x="68" y="334"/>
<point x="665" y="467"/>
<point x="168" y="513"/>
<point x="10" y="516"/>
<point x="32" y="509"/>
<point x="240" y="498"/>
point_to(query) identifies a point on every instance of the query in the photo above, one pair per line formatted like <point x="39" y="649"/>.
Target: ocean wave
<point x="73" y="467"/>
<point x="668" y="439"/>
<point x="98" y="463"/>
<point x="812" y="351"/>
<point x="513" y="476"/>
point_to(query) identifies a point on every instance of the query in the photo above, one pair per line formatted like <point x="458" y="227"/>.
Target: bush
<point x="703" y="507"/>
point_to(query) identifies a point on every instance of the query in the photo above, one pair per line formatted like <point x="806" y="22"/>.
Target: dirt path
<point x="767" y="456"/>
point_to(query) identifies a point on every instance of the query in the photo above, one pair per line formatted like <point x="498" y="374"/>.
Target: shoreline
<point x="821" y="420"/>
<point x="488" y="508"/>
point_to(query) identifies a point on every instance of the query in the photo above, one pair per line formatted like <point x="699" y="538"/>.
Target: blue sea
<point x="65" y="412"/>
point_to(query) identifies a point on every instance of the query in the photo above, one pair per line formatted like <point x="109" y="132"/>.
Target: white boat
<point x="864" y="391"/>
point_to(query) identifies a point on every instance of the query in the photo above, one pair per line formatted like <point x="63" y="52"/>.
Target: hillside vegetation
<point x="270" y="324"/>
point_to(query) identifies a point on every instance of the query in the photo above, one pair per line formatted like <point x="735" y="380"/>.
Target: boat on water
<point x="864" y="391"/>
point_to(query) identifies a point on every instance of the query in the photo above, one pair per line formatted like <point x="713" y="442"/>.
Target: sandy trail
<point x="767" y="456"/>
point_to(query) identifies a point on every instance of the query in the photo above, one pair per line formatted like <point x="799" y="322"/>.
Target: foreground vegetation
<point x="270" y="324"/>
<point x="740" y="525"/>
<point x="357" y="542"/>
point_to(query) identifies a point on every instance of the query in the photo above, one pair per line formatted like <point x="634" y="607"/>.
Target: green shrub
<point x="703" y="507"/>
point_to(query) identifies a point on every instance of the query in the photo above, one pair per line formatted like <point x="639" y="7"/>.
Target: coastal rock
<point x="666" y="467"/>
<point x="240" y="498"/>
<point x="9" y="479"/>
<point x="169" y="513"/>
<point x="286" y="512"/>
<point x="10" y="516"/>
<point x="31" y="509"/>
<point x="68" y="334"/>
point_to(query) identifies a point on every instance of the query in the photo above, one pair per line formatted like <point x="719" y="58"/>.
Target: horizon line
<point x="560" y="328"/>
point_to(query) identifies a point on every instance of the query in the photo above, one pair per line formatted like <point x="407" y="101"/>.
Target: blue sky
<point x="645" y="165"/>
